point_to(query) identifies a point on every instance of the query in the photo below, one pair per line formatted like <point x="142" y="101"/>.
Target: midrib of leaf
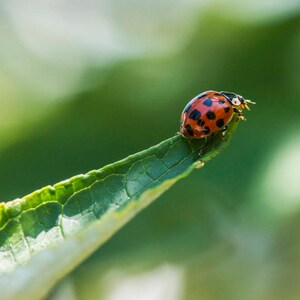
<point x="73" y="218"/>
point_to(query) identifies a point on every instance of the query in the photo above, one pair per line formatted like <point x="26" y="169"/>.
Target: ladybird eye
<point x="236" y="101"/>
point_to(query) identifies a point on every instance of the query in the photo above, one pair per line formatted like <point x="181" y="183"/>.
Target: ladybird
<point x="210" y="112"/>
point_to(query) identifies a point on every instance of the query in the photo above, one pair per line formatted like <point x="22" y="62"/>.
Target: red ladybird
<point x="210" y="112"/>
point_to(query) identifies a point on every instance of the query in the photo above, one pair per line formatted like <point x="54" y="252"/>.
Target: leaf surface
<point x="46" y="234"/>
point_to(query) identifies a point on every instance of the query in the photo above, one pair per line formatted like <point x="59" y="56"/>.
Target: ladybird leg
<point x="207" y="142"/>
<point x="202" y="149"/>
<point x="240" y="113"/>
<point x="223" y="131"/>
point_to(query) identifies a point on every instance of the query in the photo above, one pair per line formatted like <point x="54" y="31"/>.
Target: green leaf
<point x="44" y="235"/>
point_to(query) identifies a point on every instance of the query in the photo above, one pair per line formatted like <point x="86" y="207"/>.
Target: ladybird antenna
<point x="250" y="102"/>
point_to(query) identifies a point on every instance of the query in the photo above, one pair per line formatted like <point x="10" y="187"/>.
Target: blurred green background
<point x="83" y="84"/>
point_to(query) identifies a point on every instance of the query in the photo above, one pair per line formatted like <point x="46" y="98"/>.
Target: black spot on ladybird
<point x="201" y="96"/>
<point x="206" y="130"/>
<point x="187" y="108"/>
<point x="210" y="115"/>
<point x="208" y="102"/>
<point x="189" y="129"/>
<point x="227" y="109"/>
<point x="220" y="123"/>
<point x="195" y="114"/>
<point x="200" y="122"/>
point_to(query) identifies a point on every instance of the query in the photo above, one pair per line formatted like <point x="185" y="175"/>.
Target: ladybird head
<point x="237" y="101"/>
